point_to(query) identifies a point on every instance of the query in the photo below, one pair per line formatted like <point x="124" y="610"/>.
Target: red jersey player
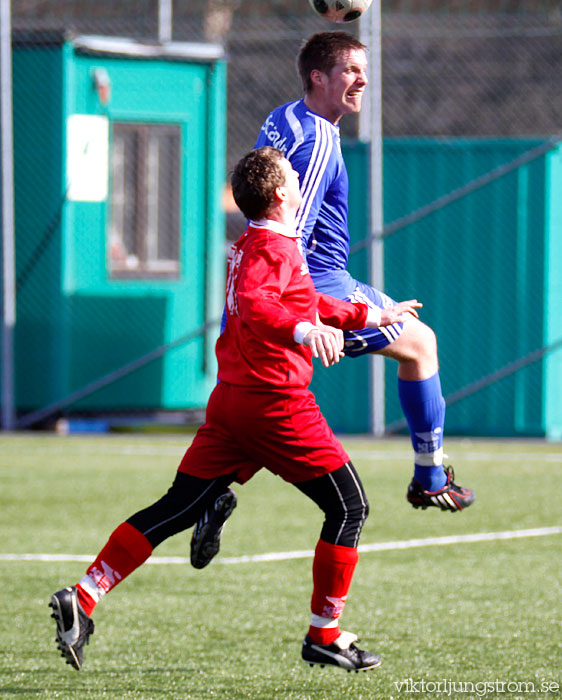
<point x="261" y="413"/>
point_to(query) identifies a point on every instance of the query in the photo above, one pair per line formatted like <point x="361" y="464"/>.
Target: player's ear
<point x="317" y="77"/>
<point x="281" y="193"/>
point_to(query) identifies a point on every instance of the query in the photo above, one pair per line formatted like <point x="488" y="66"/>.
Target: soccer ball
<point x="340" y="10"/>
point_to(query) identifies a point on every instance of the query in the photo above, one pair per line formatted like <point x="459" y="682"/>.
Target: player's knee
<point x="430" y="341"/>
<point x="348" y="525"/>
<point x="367" y="511"/>
<point x="356" y="504"/>
<point x="417" y="344"/>
<point x="423" y="340"/>
<point x="356" y="513"/>
<point x="360" y="512"/>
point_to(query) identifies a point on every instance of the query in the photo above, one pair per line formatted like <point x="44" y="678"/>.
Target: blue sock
<point x="424" y="407"/>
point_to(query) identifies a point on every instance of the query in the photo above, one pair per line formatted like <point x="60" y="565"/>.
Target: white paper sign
<point x="87" y="160"/>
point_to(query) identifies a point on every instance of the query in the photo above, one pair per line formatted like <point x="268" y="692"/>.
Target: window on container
<point x="145" y="200"/>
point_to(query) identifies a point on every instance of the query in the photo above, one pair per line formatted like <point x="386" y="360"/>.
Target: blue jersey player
<point x="332" y="67"/>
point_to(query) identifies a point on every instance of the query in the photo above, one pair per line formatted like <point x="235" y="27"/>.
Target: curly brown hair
<point x="255" y="179"/>
<point x="322" y="51"/>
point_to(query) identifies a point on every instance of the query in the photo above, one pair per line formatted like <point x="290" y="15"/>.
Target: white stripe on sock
<point x="429" y="459"/>
<point x="324" y="622"/>
<point x="88" y="584"/>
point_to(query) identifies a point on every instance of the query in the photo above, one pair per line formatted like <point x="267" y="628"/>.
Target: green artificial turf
<point x="480" y="614"/>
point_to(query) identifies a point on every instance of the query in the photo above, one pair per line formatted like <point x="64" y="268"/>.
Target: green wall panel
<point x="488" y="268"/>
<point x="477" y="265"/>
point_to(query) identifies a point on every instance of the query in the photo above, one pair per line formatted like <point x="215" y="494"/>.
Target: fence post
<point x="7" y="206"/>
<point x="164" y="21"/>
<point x="370" y="130"/>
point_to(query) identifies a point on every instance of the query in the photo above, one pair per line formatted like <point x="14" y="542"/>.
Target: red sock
<point x="332" y="572"/>
<point x="86" y="601"/>
<point x="125" y="551"/>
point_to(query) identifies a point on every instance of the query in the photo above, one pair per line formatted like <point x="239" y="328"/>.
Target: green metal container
<point x="80" y="317"/>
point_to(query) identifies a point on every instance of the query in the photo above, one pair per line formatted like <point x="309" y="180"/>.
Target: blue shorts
<point x="370" y="339"/>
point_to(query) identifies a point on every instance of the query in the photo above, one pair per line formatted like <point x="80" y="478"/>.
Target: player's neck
<point x="285" y="229"/>
<point x="283" y="217"/>
<point x="317" y="105"/>
<point x="283" y="214"/>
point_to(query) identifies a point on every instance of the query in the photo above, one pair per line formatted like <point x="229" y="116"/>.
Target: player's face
<point x="346" y="83"/>
<point x="292" y="184"/>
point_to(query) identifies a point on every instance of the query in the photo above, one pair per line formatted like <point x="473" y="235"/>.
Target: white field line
<point x="304" y="554"/>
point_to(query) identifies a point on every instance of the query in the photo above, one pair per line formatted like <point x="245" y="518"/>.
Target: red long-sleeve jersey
<point x="268" y="292"/>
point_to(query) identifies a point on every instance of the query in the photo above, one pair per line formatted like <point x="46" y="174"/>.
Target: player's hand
<point x="336" y="332"/>
<point x="326" y="343"/>
<point x="399" y="312"/>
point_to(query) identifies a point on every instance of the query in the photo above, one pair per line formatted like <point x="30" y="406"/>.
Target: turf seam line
<point x="304" y="554"/>
<point x="357" y="453"/>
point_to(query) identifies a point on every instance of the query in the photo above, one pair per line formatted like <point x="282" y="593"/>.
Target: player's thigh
<point x="370" y="340"/>
<point x="218" y="448"/>
<point x="416" y="343"/>
<point x="289" y="435"/>
<point x="412" y="343"/>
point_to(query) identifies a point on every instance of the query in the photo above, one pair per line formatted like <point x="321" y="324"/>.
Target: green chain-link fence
<point x="471" y="174"/>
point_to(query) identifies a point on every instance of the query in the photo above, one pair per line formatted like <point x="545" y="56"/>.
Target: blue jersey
<point x="312" y="144"/>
